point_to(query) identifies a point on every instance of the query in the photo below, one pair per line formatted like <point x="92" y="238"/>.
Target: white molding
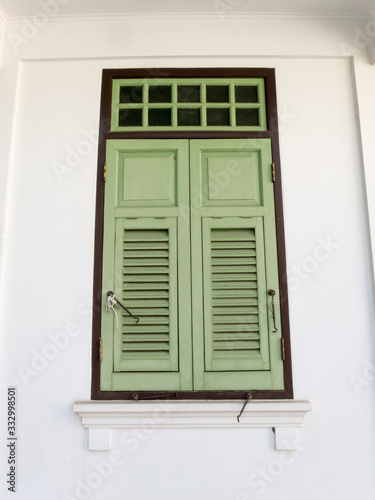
<point x="284" y="416"/>
<point x="220" y="16"/>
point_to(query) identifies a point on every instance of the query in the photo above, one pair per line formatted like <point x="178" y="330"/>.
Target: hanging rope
<point x="110" y="306"/>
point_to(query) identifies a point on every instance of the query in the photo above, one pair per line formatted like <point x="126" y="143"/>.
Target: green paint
<point x="145" y="259"/>
<point x="232" y="194"/>
<point x="133" y="110"/>
<point x="155" y="219"/>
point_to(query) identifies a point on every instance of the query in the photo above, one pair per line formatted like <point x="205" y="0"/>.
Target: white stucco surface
<point x="49" y="115"/>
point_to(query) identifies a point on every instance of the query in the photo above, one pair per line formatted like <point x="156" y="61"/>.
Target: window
<point x="189" y="240"/>
<point x="188" y="104"/>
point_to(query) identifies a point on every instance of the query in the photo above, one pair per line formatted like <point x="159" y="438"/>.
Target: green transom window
<point x="188" y="104"/>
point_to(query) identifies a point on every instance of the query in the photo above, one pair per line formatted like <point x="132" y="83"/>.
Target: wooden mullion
<point x="232" y="105"/>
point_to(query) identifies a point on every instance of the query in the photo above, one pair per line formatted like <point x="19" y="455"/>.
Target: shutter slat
<point x="233" y="277"/>
<point x="233" y="289"/>
<point x="147" y="346"/>
<point x="241" y="252"/>
<point x="233" y="261"/>
<point x="147" y="278"/>
<point x="144" y="311"/>
<point x="234" y="268"/>
<point x="229" y="309"/>
<point x="233" y="301"/>
<point x="147" y="320"/>
<point x="143" y="329"/>
<point x="145" y="294"/>
<point x="130" y="262"/>
<point x="146" y="235"/>
<point x="234" y="320"/>
<point x="235" y="345"/>
<point x="139" y="254"/>
<point x="149" y="246"/>
<point x="144" y="337"/>
<point x="227" y="337"/>
<point x="233" y="245"/>
<point x="145" y="286"/>
<point x="245" y="328"/>
<point x="146" y="270"/>
<point x="142" y="303"/>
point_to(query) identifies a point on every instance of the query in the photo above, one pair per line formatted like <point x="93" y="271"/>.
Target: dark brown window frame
<point x="268" y="74"/>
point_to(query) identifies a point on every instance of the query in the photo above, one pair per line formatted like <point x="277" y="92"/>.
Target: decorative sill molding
<point x="282" y="416"/>
<point x="357" y="15"/>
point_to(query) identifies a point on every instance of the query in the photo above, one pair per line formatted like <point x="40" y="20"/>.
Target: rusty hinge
<point x="100" y="351"/>
<point x="283" y="348"/>
<point x="105" y="172"/>
<point x="273" y="173"/>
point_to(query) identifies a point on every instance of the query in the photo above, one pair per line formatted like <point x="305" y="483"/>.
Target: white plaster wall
<point x="2" y="32"/>
<point x="8" y="84"/>
<point x="53" y="84"/>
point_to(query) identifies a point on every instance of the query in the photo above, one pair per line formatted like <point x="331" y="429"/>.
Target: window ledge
<point x="282" y="416"/>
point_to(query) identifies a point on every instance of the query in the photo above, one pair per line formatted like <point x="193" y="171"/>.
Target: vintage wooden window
<point x="188" y="104"/>
<point x="190" y="238"/>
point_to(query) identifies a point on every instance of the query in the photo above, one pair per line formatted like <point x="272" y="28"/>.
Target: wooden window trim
<point x="268" y="74"/>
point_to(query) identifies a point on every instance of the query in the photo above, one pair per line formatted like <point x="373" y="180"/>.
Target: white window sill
<point x="282" y="416"/>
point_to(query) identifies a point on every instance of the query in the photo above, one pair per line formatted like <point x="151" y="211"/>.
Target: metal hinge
<point x="283" y="348"/>
<point x="100" y="351"/>
<point x="105" y="172"/>
<point x="273" y="172"/>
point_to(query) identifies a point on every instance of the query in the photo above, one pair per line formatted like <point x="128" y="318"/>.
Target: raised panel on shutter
<point x="235" y="326"/>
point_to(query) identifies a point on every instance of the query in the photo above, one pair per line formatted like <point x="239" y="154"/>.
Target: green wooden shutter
<point x="154" y="220"/>
<point x="234" y="262"/>
<point x="146" y="259"/>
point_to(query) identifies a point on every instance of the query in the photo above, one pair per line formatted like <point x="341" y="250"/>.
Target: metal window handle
<point x="272" y="293"/>
<point x="111" y="296"/>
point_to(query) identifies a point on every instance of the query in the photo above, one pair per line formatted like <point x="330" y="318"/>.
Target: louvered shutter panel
<point x="234" y="263"/>
<point x="146" y="255"/>
<point x="235" y="326"/>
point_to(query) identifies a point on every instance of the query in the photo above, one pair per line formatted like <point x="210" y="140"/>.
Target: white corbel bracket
<point x="282" y="416"/>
